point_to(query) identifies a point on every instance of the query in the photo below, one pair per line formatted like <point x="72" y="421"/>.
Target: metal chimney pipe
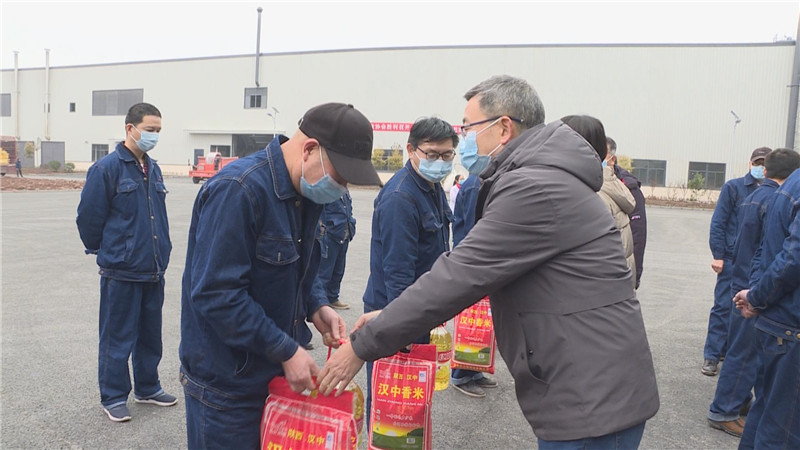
<point x="47" y="94"/>
<point x="258" y="44"/>
<point x="794" y="93"/>
<point x="16" y="94"/>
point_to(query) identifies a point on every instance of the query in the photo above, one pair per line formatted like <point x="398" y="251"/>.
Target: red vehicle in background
<point x="209" y="166"/>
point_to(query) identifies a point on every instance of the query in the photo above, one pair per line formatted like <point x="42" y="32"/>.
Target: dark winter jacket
<point x="549" y="255"/>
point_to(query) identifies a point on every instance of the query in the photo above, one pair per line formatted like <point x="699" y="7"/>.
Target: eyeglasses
<point x="466" y="126"/>
<point x="434" y="155"/>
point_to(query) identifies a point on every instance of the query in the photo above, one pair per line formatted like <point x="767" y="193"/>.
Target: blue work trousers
<point x="331" y="267"/>
<point x="738" y="374"/>
<point x="130" y="327"/>
<point x="621" y="440"/>
<point x="774" y="419"/>
<point x="218" y="420"/>
<point x="719" y="319"/>
<point x="464" y="376"/>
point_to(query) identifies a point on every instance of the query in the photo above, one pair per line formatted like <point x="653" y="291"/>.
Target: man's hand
<point x="716" y="265"/>
<point x="299" y="370"/>
<point x="339" y="370"/>
<point x="365" y="318"/>
<point x="330" y="325"/>
<point x="743" y="305"/>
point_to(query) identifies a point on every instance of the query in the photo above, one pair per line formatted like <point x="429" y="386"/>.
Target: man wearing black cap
<point x="722" y="238"/>
<point x="250" y="265"/>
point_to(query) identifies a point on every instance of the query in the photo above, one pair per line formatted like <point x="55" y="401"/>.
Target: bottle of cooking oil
<point x="444" y="351"/>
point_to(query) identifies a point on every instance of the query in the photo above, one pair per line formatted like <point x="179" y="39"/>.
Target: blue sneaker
<point x="118" y="413"/>
<point x="160" y="399"/>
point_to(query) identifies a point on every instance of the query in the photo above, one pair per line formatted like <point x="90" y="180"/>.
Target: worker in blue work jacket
<point x="337" y="226"/>
<point x="122" y="218"/>
<point x="738" y="375"/>
<point x="774" y="301"/>
<point x="250" y="264"/>
<point x="721" y="239"/>
<point x="469" y="382"/>
<point x="411" y="220"/>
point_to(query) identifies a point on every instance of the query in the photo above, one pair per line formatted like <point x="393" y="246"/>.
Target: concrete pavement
<point x="50" y="295"/>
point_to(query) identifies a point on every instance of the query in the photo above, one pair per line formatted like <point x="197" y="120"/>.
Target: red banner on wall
<point x="400" y="126"/>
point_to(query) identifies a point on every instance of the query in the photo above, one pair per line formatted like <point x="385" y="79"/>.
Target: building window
<point x="5" y="105"/>
<point x="116" y="102"/>
<point x="255" y="98"/>
<point x="223" y="150"/>
<point x="98" y="151"/>
<point x="72" y="107"/>
<point x="713" y="173"/>
<point x="651" y="172"/>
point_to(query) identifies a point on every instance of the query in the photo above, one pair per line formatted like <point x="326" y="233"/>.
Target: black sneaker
<point x="710" y="367"/>
<point x="160" y="399"/>
<point x="470" y="389"/>
<point x="118" y="413"/>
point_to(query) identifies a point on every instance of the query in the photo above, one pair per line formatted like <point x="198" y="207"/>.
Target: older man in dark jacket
<point x="543" y="241"/>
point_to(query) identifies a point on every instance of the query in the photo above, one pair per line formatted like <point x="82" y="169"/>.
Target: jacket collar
<point x="421" y="182"/>
<point x="750" y="180"/>
<point x="281" y="180"/>
<point x="769" y="183"/>
<point x="125" y="154"/>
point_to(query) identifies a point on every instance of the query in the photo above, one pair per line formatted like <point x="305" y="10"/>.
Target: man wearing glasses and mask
<point x="411" y="220"/>
<point x="549" y="255"/>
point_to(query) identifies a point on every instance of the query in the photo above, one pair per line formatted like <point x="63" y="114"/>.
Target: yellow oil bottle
<point x="444" y="352"/>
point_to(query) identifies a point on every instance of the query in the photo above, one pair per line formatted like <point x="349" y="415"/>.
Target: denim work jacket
<point x="725" y="221"/>
<point x="122" y="217"/>
<point x="410" y="229"/>
<point x="337" y="218"/>
<point x="250" y="265"/>
<point x="777" y="292"/>
<point x="464" y="214"/>
<point x="751" y="225"/>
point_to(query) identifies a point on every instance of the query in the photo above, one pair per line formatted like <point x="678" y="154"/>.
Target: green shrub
<point x="54" y="165"/>
<point x="378" y="160"/>
<point x="395" y="160"/>
<point x="698" y="182"/>
<point x="69" y="167"/>
<point x="626" y="162"/>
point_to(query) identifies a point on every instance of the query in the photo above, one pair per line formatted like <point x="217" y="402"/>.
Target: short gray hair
<point x="504" y="95"/>
<point x="612" y="146"/>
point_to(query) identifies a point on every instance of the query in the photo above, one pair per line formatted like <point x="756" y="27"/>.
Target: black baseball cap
<point x="760" y="153"/>
<point x="346" y="136"/>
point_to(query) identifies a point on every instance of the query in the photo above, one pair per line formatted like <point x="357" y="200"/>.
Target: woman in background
<point x="614" y="193"/>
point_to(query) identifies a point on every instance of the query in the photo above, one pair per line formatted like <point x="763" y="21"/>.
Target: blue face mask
<point x="147" y="140"/>
<point x="435" y="171"/>
<point x="757" y="172"/>
<point x="468" y="149"/>
<point x="605" y="164"/>
<point x="324" y="191"/>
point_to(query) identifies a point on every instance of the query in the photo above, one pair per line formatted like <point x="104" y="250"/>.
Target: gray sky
<point x="116" y="31"/>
